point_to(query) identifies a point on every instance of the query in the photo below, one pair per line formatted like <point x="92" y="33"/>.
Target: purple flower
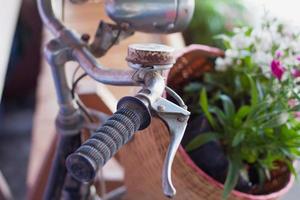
<point x="292" y="103"/>
<point x="298" y="58"/>
<point x="295" y="73"/>
<point x="297" y="115"/>
<point x="277" y="69"/>
<point x="279" y="53"/>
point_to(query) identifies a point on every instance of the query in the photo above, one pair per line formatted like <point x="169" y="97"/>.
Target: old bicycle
<point x="75" y="165"/>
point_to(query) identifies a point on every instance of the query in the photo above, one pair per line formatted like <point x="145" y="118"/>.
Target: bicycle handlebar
<point x="132" y="115"/>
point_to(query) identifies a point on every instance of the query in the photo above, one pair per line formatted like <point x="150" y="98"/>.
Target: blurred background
<point x="21" y="63"/>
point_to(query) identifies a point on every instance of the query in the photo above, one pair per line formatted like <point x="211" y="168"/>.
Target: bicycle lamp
<point x="154" y="16"/>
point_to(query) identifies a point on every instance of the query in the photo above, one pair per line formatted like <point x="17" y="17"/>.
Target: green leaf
<point x="291" y="168"/>
<point x="258" y="109"/>
<point x="238" y="138"/>
<point x="296" y="95"/>
<point x="260" y="90"/>
<point x="221" y="37"/>
<point x="192" y="87"/>
<point x="228" y="106"/>
<point x="296" y="108"/>
<point x="217" y="80"/>
<point x="265" y="116"/>
<point x="243" y="112"/>
<point x="254" y="91"/>
<point x="276" y="121"/>
<point x="245" y="81"/>
<point x="232" y="176"/>
<point x="201" y="139"/>
<point x="244" y="173"/>
<point x="251" y="156"/>
<point x="248" y="61"/>
<point x="204" y="106"/>
<point x="261" y="176"/>
<point x="220" y="115"/>
<point x="249" y="31"/>
<point x="240" y="115"/>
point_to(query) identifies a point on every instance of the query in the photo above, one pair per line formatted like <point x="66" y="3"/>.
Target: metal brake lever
<point x="176" y="118"/>
<point x="150" y="61"/>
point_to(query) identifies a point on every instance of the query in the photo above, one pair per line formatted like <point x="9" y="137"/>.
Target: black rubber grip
<point x="132" y="115"/>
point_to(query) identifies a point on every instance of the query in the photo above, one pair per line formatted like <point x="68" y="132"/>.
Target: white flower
<point x="240" y="41"/>
<point x="228" y="61"/>
<point x="262" y="58"/>
<point x="221" y="68"/>
<point x="231" y="53"/>
<point x="295" y="46"/>
<point x="284" y="43"/>
<point x="276" y="38"/>
<point x="262" y="40"/>
<point x="265" y="41"/>
<point x="221" y="64"/>
<point x="255" y="33"/>
<point x="290" y="60"/>
<point x="220" y="61"/>
<point x="288" y="30"/>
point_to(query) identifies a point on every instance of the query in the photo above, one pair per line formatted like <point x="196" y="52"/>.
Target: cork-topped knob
<point x="150" y="54"/>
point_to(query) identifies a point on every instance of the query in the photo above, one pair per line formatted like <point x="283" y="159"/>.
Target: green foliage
<point x="248" y="106"/>
<point x="232" y="176"/>
<point x="204" y="106"/>
<point x="213" y="17"/>
<point x="258" y="133"/>
<point x="202" y="139"/>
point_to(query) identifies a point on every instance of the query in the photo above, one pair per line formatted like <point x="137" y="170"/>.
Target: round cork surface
<point x="150" y="54"/>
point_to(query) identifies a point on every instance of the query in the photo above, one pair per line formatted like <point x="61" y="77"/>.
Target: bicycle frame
<point x="67" y="46"/>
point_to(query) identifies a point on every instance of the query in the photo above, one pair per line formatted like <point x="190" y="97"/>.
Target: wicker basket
<point x="143" y="157"/>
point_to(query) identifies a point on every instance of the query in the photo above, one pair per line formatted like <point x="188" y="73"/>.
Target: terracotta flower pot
<point x="143" y="157"/>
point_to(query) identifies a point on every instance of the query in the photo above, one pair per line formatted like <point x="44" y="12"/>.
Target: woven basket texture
<point x="143" y="157"/>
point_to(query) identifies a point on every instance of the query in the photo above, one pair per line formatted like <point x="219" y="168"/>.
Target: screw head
<point x="85" y="37"/>
<point x="181" y="119"/>
<point x="161" y="108"/>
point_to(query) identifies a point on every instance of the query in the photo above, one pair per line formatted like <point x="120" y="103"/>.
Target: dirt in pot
<point x="279" y="177"/>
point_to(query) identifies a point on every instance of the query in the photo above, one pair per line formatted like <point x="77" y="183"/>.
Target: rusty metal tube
<point x="48" y="17"/>
<point x="81" y="54"/>
<point x="107" y="76"/>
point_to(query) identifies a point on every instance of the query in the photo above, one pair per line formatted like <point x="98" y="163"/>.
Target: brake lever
<point x="176" y="118"/>
<point x="150" y="61"/>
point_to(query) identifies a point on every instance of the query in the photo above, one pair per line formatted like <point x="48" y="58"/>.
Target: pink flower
<point x="298" y="58"/>
<point x="279" y="53"/>
<point x="295" y="73"/>
<point x="297" y="115"/>
<point x="292" y="103"/>
<point x="277" y="69"/>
